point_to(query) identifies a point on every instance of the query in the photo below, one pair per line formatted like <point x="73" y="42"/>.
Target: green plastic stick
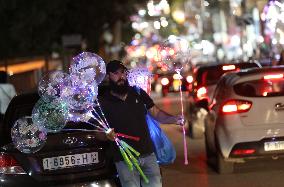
<point x="133" y="159"/>
<point x="126" y="159"/>
<point x="124" y="144"/>
<point x="141" y="172"/>
<point x="136" y="164"/>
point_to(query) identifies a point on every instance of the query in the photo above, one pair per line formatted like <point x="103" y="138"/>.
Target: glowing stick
<point x="182" y="113"/>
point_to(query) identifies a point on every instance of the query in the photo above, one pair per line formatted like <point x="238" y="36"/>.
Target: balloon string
<point x="97" y="126"/>
<point x="182" y="113"/>
<point x="102" y="112"/>
<point x="85" y="130"/>
<point x="99" y="118"/>
<point x="101" y="123"/>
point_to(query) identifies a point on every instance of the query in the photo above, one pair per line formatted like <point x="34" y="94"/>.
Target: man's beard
<point x="119" y="89"/>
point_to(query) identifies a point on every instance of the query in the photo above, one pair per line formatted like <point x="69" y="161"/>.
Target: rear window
<point x="212" y="75"/>
<point x="260" y="88"/>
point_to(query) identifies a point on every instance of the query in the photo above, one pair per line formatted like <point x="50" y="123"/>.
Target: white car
<point x="206" y="78"/>
<point x="246" y="118"/>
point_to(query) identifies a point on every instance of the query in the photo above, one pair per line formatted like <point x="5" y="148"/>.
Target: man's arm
<point x="164" y="117"/>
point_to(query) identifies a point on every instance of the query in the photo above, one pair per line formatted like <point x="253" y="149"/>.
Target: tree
<point x="33" y="27"/>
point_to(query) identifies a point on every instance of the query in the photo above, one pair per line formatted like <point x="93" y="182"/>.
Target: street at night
<point x="88" y="87"/>
<point x="263" y="173"/>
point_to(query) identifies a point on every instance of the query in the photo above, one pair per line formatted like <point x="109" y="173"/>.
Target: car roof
<point x="235" y="77"/>
<point x="211" y="73"/>
<point x="205" y="67"/>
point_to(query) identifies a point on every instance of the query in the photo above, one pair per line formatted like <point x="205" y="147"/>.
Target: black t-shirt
<point x="129" y="117"/>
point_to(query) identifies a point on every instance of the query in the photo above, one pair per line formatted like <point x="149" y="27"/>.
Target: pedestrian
<point x="7" y="92"/>
<point x="281" y="60"/>
<point x="125" y="111"/>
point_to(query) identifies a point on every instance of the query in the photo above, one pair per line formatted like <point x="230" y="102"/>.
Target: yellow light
<point x="177" y="76"/>
<point x="23" y="67"/>
<point x="165" y="81"/>
<point x="178" y="16"/>
<point x="189" y="79"/>
<point x="171" y="52"/>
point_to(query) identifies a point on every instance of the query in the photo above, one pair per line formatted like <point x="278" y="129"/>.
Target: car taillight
<point x="236" y="106"/>
<point x="228" y="67"/>
<point x="201" y="93"/>
<point x="243" y="151"/>
<point x="273" y="76"/>
<point x="165" y="81"/>
<point x="189" y="79"/>
<point x="8" y="165"/>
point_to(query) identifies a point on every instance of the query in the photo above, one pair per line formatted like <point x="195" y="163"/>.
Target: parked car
<point x="170" y="82"/>
<point x="63" y="161"/>
<point x="246" y="118"/>
<point x="205" y="81"/>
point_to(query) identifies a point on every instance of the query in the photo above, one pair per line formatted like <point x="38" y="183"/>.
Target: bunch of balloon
<point x="49" y="115"/>
<point x="87" y="71"/>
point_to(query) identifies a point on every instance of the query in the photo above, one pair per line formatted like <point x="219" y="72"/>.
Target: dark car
<point x="206" y="78"/>
<point x="63" y="161"/>
<point x="170" y="82"/>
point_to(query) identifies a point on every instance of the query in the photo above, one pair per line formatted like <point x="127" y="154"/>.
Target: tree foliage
<point x="34" y="27"/>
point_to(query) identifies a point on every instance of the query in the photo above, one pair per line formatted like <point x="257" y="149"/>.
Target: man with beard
<point x="125" y="112"/>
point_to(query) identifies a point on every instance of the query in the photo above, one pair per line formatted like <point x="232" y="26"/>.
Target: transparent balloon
<point x="90" y="65"/>
<point x="80" y="97"/>
<point x="27" y="136"/>
<point x="174" y="53"/>
<point x="79" y="115"/>
<point x="140" y="77"/>
<point x="51" y="85"/>
<point x="52" y="116"/>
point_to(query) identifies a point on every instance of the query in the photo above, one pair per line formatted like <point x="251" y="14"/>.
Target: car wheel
<point x="210" y="155"/>
<point x="224" y="167"/>
<point x="210" y="140"/>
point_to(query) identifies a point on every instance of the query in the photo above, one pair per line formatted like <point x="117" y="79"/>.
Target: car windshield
<point x="260" y="88"/>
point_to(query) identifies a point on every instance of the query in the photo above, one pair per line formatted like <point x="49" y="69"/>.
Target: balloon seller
<point x="125" y="111"/>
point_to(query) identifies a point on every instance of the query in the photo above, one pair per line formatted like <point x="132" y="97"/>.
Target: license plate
<point x="274" y="146"/>
<point x="61" y="162"/>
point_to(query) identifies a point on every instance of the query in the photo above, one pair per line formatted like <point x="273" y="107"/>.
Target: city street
<point x="197" y="174"/>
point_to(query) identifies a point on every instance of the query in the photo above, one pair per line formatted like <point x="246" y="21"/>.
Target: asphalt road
<point x="260" y="173"/>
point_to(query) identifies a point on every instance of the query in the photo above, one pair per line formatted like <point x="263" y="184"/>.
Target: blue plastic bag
<point x="164" y="149"/>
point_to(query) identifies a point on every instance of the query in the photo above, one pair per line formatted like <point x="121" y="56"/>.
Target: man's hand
<point x="110" y="134"/>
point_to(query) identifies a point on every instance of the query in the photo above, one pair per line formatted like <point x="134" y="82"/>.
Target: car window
<point x="212" y="75"/>
<point x="260" y="88"/>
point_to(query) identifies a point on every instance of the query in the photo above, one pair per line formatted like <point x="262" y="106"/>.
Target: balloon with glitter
<point x="90" y="65"/>
<point x="174" y="53"/>
<point x="27" y="136"/>
<point x="80" y="97"/>
<point x="79" y="115"/>
<point x="140" y="77"/>
<point x="52" y="116"/>
<point x="51" y="85"/>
